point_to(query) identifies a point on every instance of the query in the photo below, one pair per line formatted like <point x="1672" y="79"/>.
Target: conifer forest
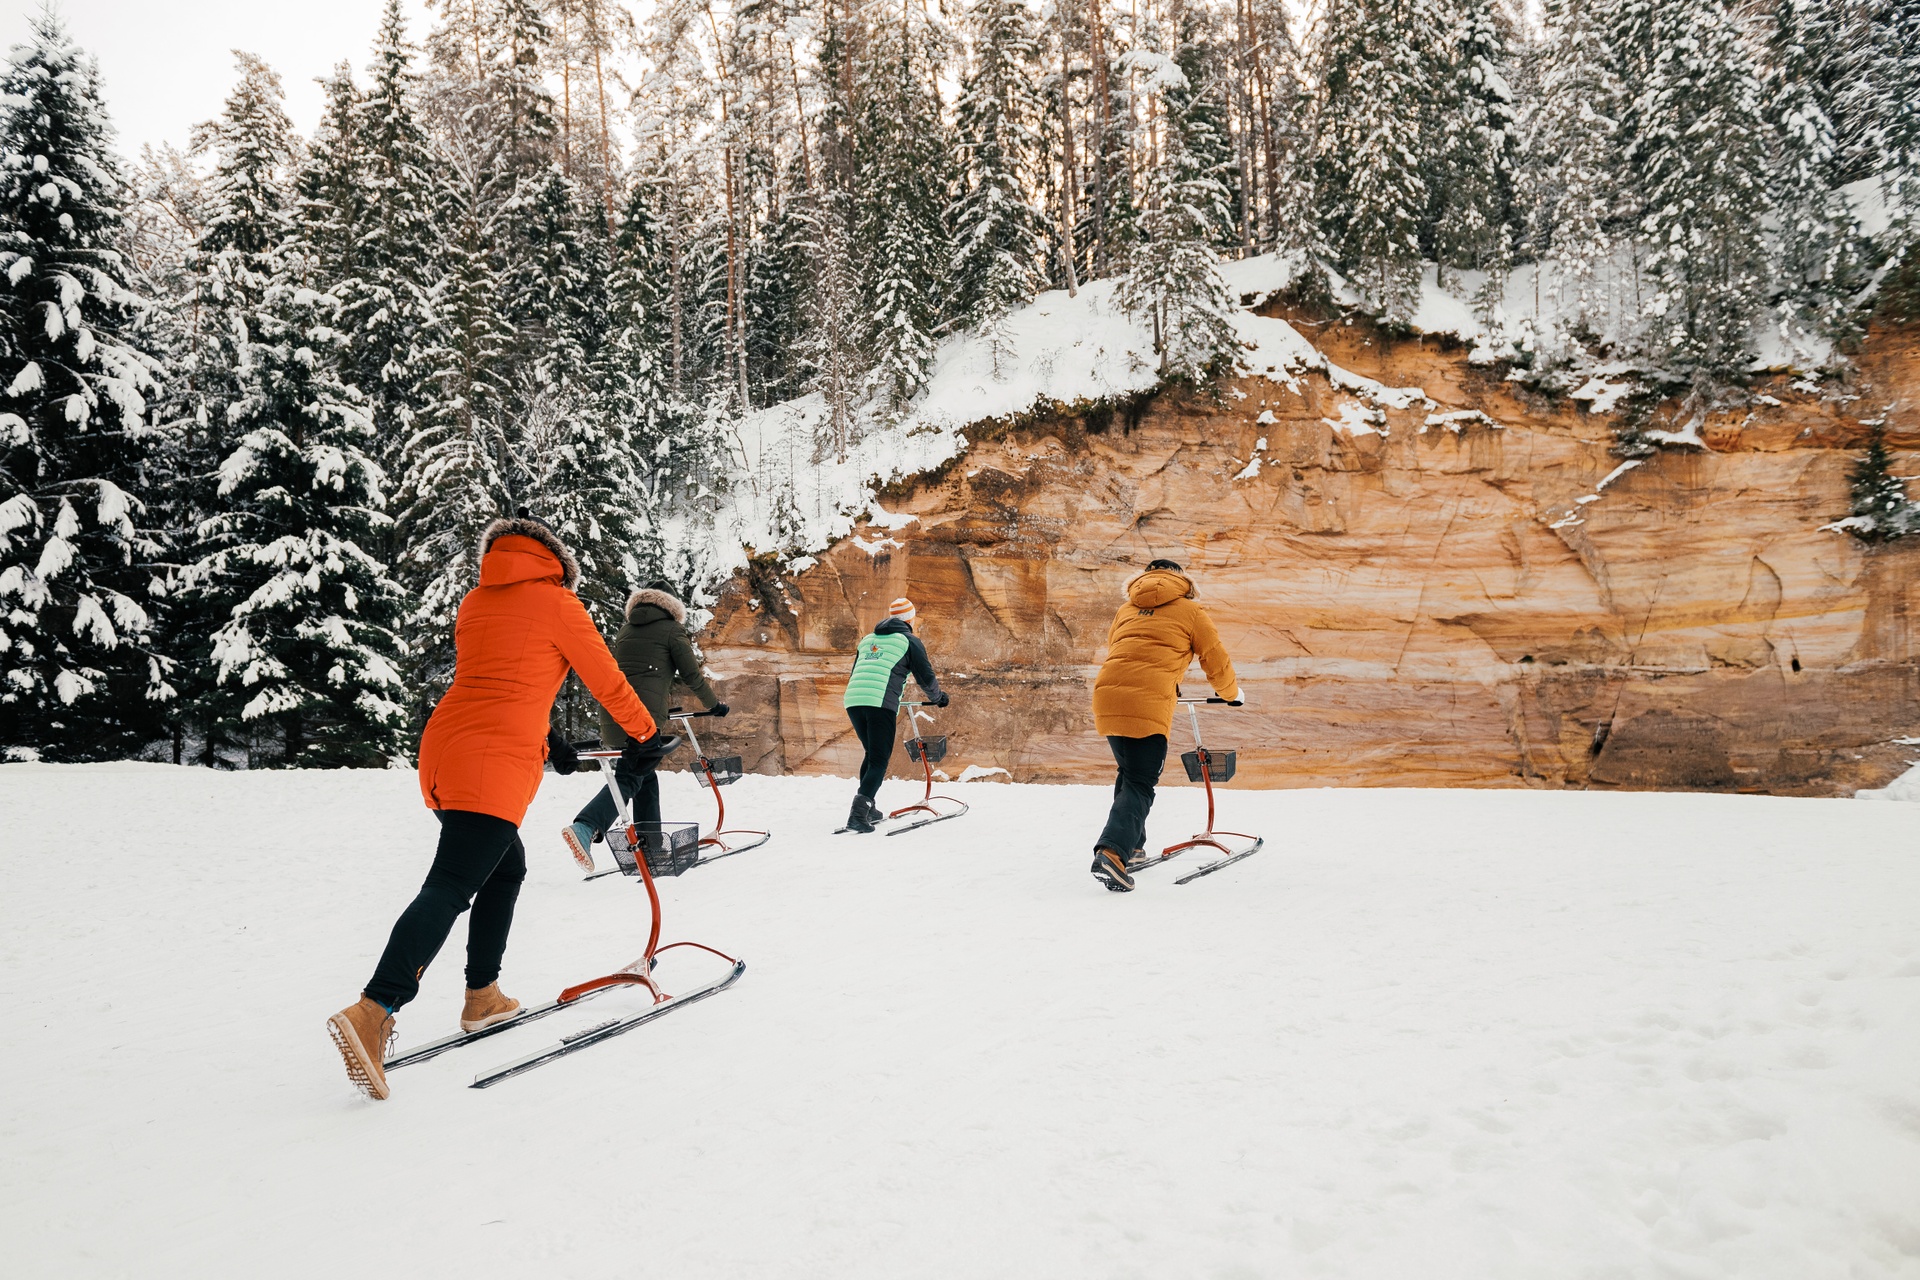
<point x="260" y="392"/>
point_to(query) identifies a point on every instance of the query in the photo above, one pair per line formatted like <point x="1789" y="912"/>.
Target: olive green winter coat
<point x="654" y="651"/>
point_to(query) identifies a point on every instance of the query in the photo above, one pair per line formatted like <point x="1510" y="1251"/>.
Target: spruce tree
<point x="1696" y="150"/>
<point x="1375" y="74"/>
<point x="1477" y="150"/>
<point x="79" y="676"/>
<point x="308" y="650"/>
<point x="1881" y="510"/>
<point x="1814" y="242"/>
<point x="996" y="233"/>
<point x="1173" y="279"/>
<point x="900" y="234"/>
<point x="1577" y="165"/>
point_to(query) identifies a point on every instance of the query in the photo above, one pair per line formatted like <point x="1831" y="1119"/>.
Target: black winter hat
<point x="1164" y="564"/>
<point x="661" y="584"/>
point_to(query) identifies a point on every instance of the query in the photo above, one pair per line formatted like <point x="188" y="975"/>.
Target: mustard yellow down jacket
<point x="1156" y="634"/>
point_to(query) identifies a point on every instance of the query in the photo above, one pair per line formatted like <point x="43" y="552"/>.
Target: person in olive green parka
<point x="654" y="652"/>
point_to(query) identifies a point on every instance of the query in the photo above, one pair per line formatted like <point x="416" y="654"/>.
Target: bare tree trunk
<point x="566" y="92"/>
<point x="1096" y="36"/>
<point x="1068" y="254"/>
<point x="600" y="91"/>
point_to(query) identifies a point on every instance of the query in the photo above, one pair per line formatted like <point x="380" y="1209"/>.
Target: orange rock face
<point x="1459" y="601"/>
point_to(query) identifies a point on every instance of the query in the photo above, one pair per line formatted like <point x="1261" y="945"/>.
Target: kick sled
<point x="1206" y="767"/>
<point x="714" y="772"/>
<point x="635" y="842"/>
<point x="928" y="751"/>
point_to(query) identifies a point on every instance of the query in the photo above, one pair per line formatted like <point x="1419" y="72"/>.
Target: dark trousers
<point x="480" y="863"/>
<point x="1139" y="762"/>
<point x="876" y="728"/>
<point x="600" y="812"/>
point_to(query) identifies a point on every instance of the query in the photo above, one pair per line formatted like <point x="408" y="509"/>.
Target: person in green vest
<point x="881" y="664"/>
<point x="654" y="651"/>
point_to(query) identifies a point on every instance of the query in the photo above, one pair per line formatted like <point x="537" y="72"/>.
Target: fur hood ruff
<point x="569" y="567"/>
<point x="660" y="600"/>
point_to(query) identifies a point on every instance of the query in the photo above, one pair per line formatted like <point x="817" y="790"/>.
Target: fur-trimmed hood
<point x="1156" y="587"/>
<point x="661" y="600"/>
<point x="540" y="533"/>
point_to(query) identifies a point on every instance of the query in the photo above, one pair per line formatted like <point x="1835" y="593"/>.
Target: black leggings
<point x="876" y="728"/>
<point x="480" y="862"/>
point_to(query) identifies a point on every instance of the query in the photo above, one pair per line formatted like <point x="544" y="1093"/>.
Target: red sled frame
<point x="926" y="803"/>
<point x="1208" y="838"/>
<point x="718" y="839"/>
<point x="640" y="972"/>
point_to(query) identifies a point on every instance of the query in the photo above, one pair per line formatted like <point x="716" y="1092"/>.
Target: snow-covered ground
<point x="1423" y="1034"/>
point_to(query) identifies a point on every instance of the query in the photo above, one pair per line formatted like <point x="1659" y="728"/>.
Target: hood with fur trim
<point x="661" y="600"/>
<point x="1156" y="587"/>
<point x="540" y="533"/>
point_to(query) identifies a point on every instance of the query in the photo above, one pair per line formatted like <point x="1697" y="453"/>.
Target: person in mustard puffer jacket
<point x="1154" y="638"/>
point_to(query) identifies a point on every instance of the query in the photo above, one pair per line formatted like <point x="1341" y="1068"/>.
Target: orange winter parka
<point x="1154" y="637"/>
<point x="516" y="635"/>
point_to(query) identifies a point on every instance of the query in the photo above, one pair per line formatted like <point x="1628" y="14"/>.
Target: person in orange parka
<point x="481" y="758"/>
<point x="1156" y="635"/>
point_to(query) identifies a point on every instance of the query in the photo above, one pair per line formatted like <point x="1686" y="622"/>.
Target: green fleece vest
<point x="873" y="666"/>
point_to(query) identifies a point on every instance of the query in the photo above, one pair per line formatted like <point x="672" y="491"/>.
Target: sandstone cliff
<point x="1452" y="592"/>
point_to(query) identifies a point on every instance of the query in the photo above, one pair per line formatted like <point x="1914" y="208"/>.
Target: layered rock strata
<point x="1454" y="586"/>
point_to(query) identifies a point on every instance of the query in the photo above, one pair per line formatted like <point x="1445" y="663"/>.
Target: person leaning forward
<point x="1155" y="636"/>
<point x="481" y="759"/>
<point x="655" y="652"/>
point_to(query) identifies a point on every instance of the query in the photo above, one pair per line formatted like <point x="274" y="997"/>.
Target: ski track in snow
<point x="1422" y="1034"/>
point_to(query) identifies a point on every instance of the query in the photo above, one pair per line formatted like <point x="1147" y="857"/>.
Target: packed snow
<point x="1421" y="1034"/>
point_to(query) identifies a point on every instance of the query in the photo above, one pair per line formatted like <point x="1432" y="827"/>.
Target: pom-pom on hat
<point x="903" y="610"/>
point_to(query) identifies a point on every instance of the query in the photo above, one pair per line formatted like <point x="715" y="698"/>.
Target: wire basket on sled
<point x="670" y="848"/>
<point x="1220" y="764"/>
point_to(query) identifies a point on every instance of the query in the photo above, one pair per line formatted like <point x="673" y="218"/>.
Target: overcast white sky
<point x="167" y="64"/>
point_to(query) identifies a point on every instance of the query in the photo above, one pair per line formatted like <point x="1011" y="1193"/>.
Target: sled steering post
<point x="926" y="751"/>
<point x="1201" y="766"/>
<point x="718" y="773"/>
<point x="640" y="972"/>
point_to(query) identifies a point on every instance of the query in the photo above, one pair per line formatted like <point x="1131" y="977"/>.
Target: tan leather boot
<point x="361" y="1032"/>
<point x="487" y="1006"/>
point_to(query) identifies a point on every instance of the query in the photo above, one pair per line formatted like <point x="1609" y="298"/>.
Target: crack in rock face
<point x="1473" y="591"/>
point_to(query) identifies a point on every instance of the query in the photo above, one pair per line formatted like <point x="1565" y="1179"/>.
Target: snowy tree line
<point x="262" y="393"/>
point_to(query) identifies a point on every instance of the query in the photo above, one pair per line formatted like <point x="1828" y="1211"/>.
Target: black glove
<point x="564" y="758"/>
<point x="640" y="756"/>
<point x="942" y="700"/>
<point x="719" y="711"/>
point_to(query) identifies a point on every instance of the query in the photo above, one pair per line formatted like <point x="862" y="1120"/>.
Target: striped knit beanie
<point x="903" y="610"/>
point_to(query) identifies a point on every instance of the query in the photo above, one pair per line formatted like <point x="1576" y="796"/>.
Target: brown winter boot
<point x="361" y="1033"/>
<point x="487" y="1006"/>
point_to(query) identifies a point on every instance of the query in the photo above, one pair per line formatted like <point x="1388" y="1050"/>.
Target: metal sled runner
<point x="1206" y="767"/>
<point x="637" y="974"/>
<point x="926" y="751"/>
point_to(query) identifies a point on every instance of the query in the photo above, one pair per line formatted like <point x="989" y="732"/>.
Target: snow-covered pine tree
<point x="1197" y="107"/>
<point x="1814" y="249"/>
<point x="1173" y="276"/>
<point x="1881" y="510"/>
<point x="1476" y="154"/>
<point x="899" y="233"/>
<point x="308" y="650"/>
<point x="1374" y="70"/>
<point x="1696" y="150"/>
<point x="996" y="233"/>
<point x="251" y="202"/>
<point x="1282" y="113"/>
<point x="386" y="308"/>
<point x="79" y="678"/>
<point x="1576" y="166"/>
<point x="1897" y="65"/>
<point x="834" y="352"/>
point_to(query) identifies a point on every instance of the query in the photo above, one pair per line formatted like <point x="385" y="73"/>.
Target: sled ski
<point x="434" y="1048"/>
<point x="605" y="1030"/>
<point x="1227" y="861"/>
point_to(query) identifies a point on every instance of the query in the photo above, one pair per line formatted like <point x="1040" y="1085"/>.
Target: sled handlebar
<point x="676" y="713"/>
<point x="1201" y="702"/>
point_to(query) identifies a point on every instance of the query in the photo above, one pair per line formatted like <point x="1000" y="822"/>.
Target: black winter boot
<point x="863" y="816"/>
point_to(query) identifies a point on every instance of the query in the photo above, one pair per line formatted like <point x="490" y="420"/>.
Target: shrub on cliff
<point x="1881" y="509"/>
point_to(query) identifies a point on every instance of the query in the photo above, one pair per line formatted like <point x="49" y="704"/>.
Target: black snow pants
<point x="480" y="862"/>
<point x="1139" y="761"/>
<point x="876" y="727"/>
<point x="644" y="791"/>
